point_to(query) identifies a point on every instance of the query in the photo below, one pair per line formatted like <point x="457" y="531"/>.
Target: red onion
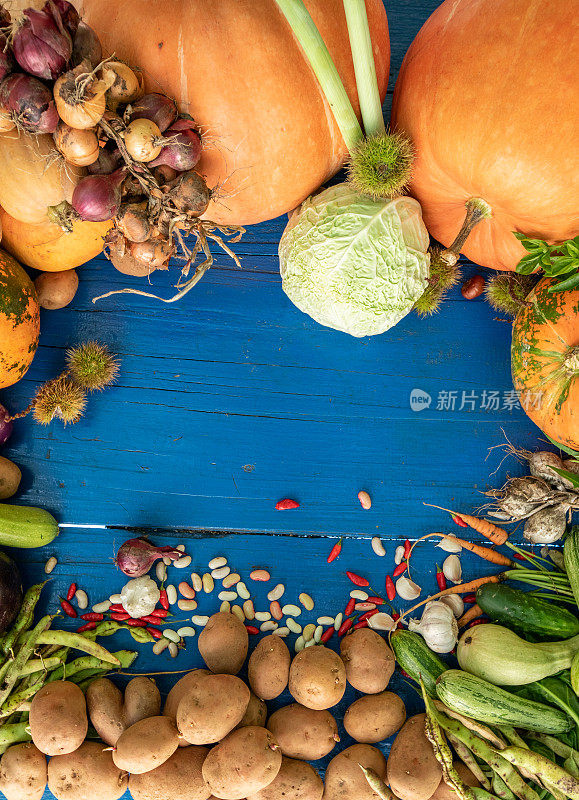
<point x="6" y="60"/>
<point x="41" y="46"/>
<point x="184" y="151"/>
<point x="157" y="107"/>
<point x="107" y="162"/>
<point x="66" y="12"/>
<point x="5" y="427"/>
<point x="29" y="102"/>
<point x="86" y="47"/>
<point x="136" y="556"/>
<point x="97" y="198"/>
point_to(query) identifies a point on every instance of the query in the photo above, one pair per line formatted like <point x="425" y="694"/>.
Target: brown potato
<point x="56" y="289"/>
<point x="303" y="732"/>
<point x="444" y="791"/>
<point x="255" y="713"/>
<point x="413" y="771"/>
<point x="269" y="666"/>
<point x="223" y="643"/>
<point x="368" y="659"/>
<point x="10" y="477"/>
<point x="296" y="780"/>
<point x="177" y="693"/>
<point x="58" y="720"/>
<point x="344" y="778"/>
<point x="23" y="772"/>
<point x="375" y="717"/>
<point x="110" y="713"/>
<point x="146" y="745"/>
<point x="87" y="774"/>
<point x="245" y="762"/>
<point x="317" y="678"/>
<point x="212" y="708"/>
<point x="179" y="778"/>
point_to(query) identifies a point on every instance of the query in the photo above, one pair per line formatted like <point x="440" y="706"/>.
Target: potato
<point x="245" y="762"/>
<point x="296" y="780"/>
<point x="212" y="708"/>
<point x="413" y="771"/>
<point x="317" y="678"/>
<point x="87" y="774"/>
<point x="23" y="772"/>
<point x="110" y="713"/>
<point x="146" y="745"/>
<point x="368" y="659"/>
<point x="58" y="720"/>
<point x="56" y="289"/>
<point x="10" y="477"/>
<point x="223" y="643"/>
<point x="444" y="791"/>
<point x="255" y="713"/>
<point x="375" y="717"/>
<point x="304" y="732"/>
<point x="344" y="778"/>
<point x="179" y="778"/>
<point x="177" y="693"/>
<point x="268" y="668"/>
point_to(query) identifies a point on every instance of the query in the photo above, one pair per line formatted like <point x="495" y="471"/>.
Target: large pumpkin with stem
<point x="545" y="361"/>
<point x="19" y="321"/>
<point x="489" y="98"/>
<point x="236" y="67"/>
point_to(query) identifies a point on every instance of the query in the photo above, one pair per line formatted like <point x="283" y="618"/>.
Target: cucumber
<point x="417" y="659"/>
<point x="25" y="526"/>
<point x="476" y="698"/>
<point x="517" y="609"/>
<point x="571" y="555"/>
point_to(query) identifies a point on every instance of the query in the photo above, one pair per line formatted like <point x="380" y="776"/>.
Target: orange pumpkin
<point x="48" y="247"/>
<point x="488" y="97"/>
<point x="19" y="321"/>
<point x="545" y="361"/>
<point x="236" y="67"/>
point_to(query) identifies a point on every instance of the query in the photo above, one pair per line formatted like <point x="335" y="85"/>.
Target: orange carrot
<point x="483" y="552"/>
<point x="468" y="616"/>
<point x="462" y="588"/>
<point x="488" y="529"/>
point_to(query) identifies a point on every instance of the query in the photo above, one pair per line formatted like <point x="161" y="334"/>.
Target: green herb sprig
<point x="555" y="260"/>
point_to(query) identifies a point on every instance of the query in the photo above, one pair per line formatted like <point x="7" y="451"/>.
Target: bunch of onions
<point x="183" y="150"/>
<point x="29" y="103"/>
<point x="41" y="44"/>
<point x="97" y="198"/>
<point x="157" y="107"/>
<point x="80" y="148"/>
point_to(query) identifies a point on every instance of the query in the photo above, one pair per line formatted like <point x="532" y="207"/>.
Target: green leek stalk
<point x="364" y="66"/>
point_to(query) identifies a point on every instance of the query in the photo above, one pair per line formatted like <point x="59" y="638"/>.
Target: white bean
<point x="358" y="594"/>
<point x="186" y="631"/>
<point x="318" y="634"/>
<point x="299" y="645"/>
<point x="208" y="583"/>
<point x="276" y="592"/>
<point x="215" y="563"/>
<point x="187" y="591"/>
<point x="187" y="605"/>
<point x="338" y="621"/>
<point x="173" y="650"/>
<point x="116" y="599"/>
<point x="196" y="581"/>
<point x="283" y="632"/>
<point x="294" y="626"/>
<point x="309" y="631"/>
<point x="81" y="599"/>
<point x="229" y="596"/>
<point x="249" y="610"/>
<point x="291" y="611"/>
<point x="269" y="625"/>
<point x="219" y="574"/>
<point x="160" y="645"/>
<point x="243" y="591"/>
<point x="231" y="580"/>
<point x="399" y="554"/>
<point x="171" y="635"/>
<point x="180" y="548"/>
<point x="50" y="565"/>
<point x="259" y="575"/>
<point x="325" y="620"/>
<point x="102" y="608"/>
<point x="181" y="563"/>
<point x="310" y="643"/>
<point x="171" y="594"/>
<point x="378" y="547"/>
<point x="306" y="601"/>
<point x="225" y="607"/>
<point x="161" y="571"/>
<point x="238" y="611"/>
<point x="263" y="616"/>
<point x="167" y="561"/>
<point x="199" y="619"/>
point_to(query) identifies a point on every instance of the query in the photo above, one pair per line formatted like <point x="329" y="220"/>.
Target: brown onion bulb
<point x="81" y="112"/>
<point x="165" y="174"/>
<point x="124" y="262"/>
<point x="124" y="86"/>
<point x="79" y="147"/>
<point x="143" y="140"/>
<point x="190" y="194"/>
<point x="155" y="253"/>
<point x="133" y="223"/>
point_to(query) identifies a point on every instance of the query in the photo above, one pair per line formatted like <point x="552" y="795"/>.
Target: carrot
<point x="468" y="616"/>
<point x="483" y="552"/>
<point x="462" y="588"/>
<point x="488" y="529"/>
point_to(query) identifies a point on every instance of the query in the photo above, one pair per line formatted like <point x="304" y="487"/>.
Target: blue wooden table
<point x="233" y="399"/>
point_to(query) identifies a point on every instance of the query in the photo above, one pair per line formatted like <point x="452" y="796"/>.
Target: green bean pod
<point x="78" y="642"/>
<point x="545" y="769"/>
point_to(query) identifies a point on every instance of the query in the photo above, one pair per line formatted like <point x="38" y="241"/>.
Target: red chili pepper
<point x="440" y="579"/>
<point x="519" y="557"/>
<point x="350" y="607"/>
<point x="479" y="621"/>
<point x="378" y="600"/>
<point x="390" y="588"/>
<point x="71" y="591"/>
<point x="402" y="567"/>
<point x="407" y="548"/>
<point x="458" y="521"/>
<point x="161" y="613"/>
<point x="151" y="619"/>
<point x="68" y="609"/>
<point x="155" y="633"/>
<point x="335" y="552"/>
<point x="90" y="626"/>
<point x="286" y="504"/>
<point x="406" y="675"/>
<point x="469" y="598"/>
<point x="357" y="579"/>
<point x="163" y="599"/>
<point x="345" y="626"/>
<point x="395" y="615"/>
<point x="327" y="635"/>
<point x="92" y="616"/>
<point x="252" y="630"/>
<point x="117" y="607"/>
<point x="369" y="614"/>
<point x="361" y="624"/>
<point x="139" y="623"/>
<point x="118" y="617"/>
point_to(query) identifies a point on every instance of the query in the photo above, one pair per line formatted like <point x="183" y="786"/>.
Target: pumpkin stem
<point x="477" y="209"/>
<point x="62" y="215"/>
<point x="571" y="361"/>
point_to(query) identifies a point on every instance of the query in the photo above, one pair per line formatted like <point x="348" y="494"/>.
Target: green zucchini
<point x="571" y="555"/>
<point x="25" y="526"/>
<point x="417" y="659"/>
<point x="473" y="697"/>
<point x="517" y="609"/>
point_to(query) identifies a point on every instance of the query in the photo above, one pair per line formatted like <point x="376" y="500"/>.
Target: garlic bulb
<point x="438" y="627"/>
